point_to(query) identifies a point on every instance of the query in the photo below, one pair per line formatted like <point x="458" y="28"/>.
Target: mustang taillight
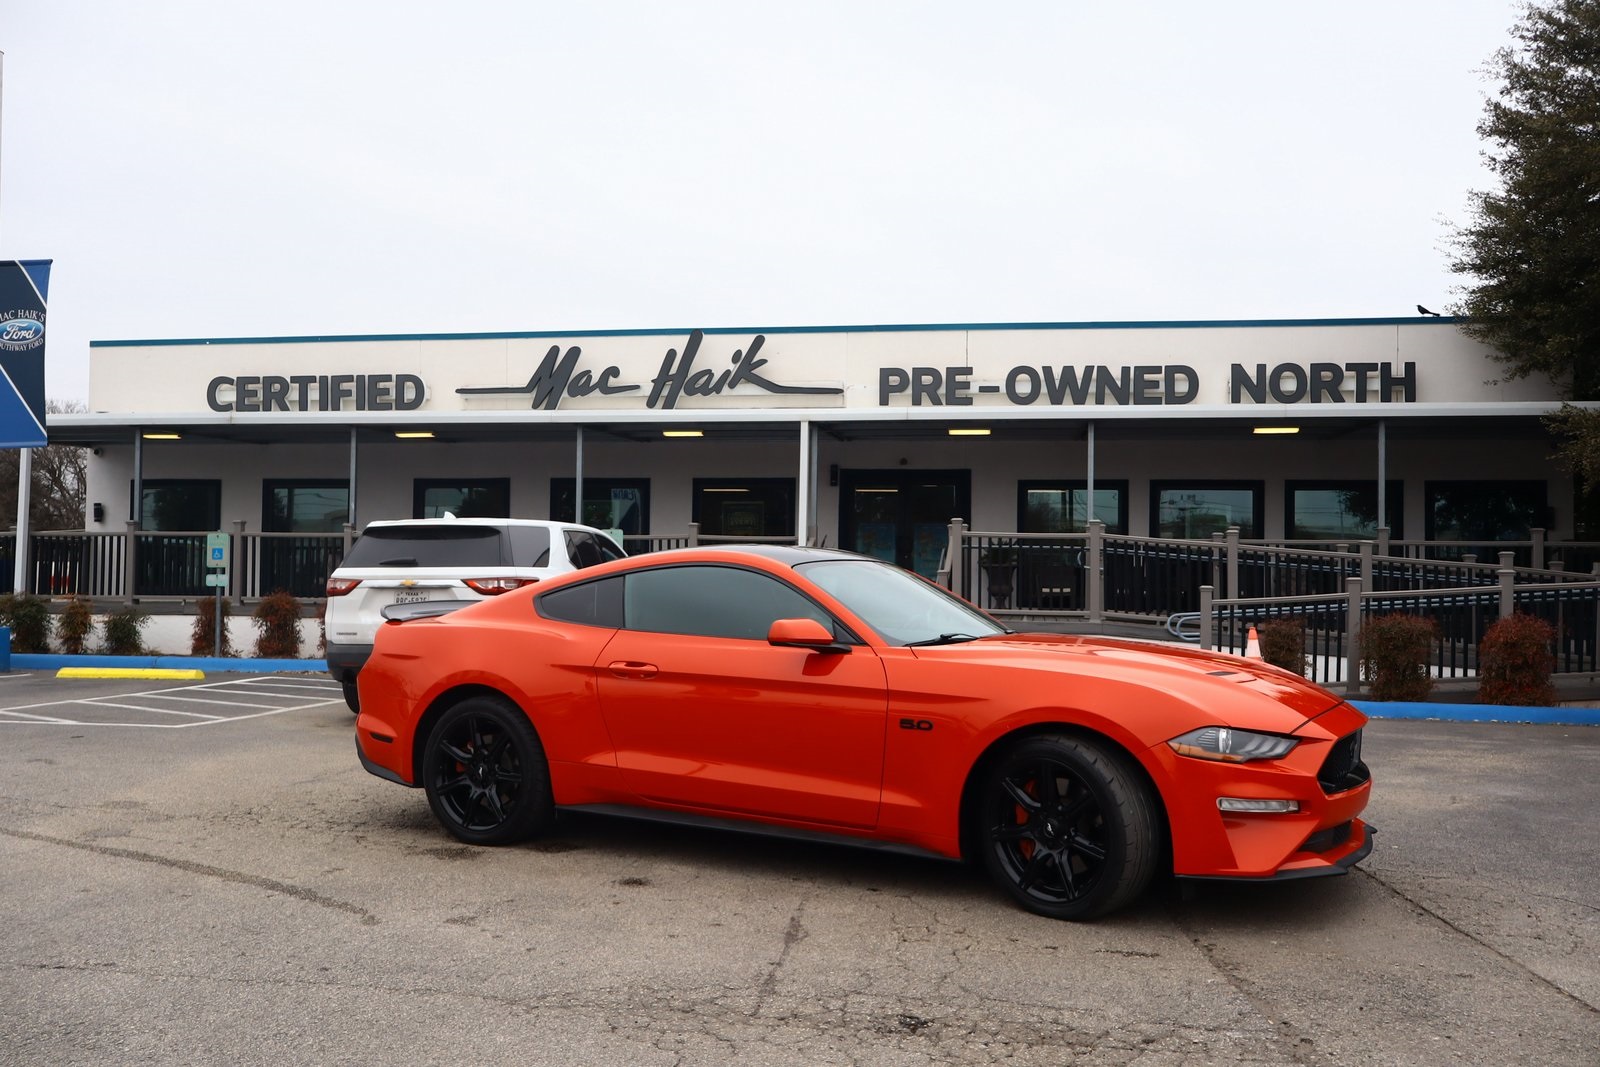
<point x="341" y="586"/>
<point x="496" y="586"/>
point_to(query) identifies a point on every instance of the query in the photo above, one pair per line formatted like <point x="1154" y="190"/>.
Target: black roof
<point x="788" y="555"/>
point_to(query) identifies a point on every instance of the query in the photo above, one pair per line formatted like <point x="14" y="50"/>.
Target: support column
<point x="24" y="488"/>
<point x="136" y="520"/>
<point x="1088" y="506"/>
<point x="577" y="479"/>
<point x="138" y="478"/>
<point x="1383" y="462"/>
<point x="803" y="531"/>
<point x="352" y="516"/>
<point x="816" y="465"/>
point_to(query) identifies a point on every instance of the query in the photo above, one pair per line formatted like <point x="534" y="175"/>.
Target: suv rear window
<point x="438" y="546"/>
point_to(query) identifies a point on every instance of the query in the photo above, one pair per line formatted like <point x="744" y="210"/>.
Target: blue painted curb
<point x="38" y="661"/>
<point x="1395" y="709"/>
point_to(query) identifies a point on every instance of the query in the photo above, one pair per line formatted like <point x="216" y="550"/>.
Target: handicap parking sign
<point x="217" y="550"/>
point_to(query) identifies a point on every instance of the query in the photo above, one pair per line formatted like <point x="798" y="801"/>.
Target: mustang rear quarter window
<point x="591" y="604"/>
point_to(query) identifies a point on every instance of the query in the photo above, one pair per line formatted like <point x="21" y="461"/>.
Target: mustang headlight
<point x="1231" y="746"/>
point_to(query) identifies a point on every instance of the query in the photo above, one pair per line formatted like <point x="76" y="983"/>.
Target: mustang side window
<point x="711" y="601"/>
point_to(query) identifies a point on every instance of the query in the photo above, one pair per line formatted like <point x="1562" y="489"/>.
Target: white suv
<point x="411" y="560"/>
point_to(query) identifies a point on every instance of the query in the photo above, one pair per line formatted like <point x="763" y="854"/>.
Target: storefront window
<point x="608" y="503"/>
<point x="465" y="498"/>
<point x="1199" y="509"/>
<point x="1340" y="511"/>
<point x="181" y="504"/>
<point x="1063" y="507"/>
<point x="1485" y="511"/>
<point x="301" y="565"/>
<point x="306" y="506"/>
<point x="187" y="509"/>
<point x="745" y="507"/>
<point x="900" y="515"/>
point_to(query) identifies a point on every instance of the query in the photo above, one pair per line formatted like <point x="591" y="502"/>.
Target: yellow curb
<point x="128" y="672"/>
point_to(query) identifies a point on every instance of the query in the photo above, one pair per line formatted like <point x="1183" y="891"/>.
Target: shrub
<point x="29" y="619"/>
<point x="75" y="625"/>
<point x="1283" y="644"/>
<point x="277" y="620"/>
<point x="1394" y="656"/>
<point x="1515" y="662"/>
<point x="204" y="634"/>
<point x="124" y="632"/>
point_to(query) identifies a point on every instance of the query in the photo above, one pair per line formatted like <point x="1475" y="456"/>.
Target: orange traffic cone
<point x="1252" y="645"/>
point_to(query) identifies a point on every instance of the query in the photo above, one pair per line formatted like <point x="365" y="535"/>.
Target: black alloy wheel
<point x="1069" y="830"/>
<point x="485" y="773"/>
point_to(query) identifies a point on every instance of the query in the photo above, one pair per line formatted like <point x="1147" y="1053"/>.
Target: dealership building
<point x="870" y="438"/>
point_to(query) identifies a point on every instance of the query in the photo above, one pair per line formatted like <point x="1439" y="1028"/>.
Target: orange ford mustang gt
<point x="823" y="694"/>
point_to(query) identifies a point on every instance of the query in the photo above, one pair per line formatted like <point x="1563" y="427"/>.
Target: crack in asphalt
<point x="1297" y="1046"/>
<point x="310" y="896"/>
<point x="793" y="934"/>
<point x="1476" y="940"/>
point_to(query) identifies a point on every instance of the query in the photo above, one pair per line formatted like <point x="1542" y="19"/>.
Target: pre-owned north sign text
<point x="1155" y="383"/>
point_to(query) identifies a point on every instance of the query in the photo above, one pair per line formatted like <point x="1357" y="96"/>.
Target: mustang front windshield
<point x="902" y="608"/>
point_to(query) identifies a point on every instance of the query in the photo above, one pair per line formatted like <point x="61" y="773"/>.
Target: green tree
<point x="1532" y="248"/>
<point x="1531" y="251"/>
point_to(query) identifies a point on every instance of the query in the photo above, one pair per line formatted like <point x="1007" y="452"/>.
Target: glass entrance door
<point x="902" y="516"/>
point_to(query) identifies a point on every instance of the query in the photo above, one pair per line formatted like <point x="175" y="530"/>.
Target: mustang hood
<point x="1151" y="659"/>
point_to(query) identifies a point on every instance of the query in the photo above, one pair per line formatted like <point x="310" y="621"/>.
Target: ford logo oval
<point x="20" y="331"/>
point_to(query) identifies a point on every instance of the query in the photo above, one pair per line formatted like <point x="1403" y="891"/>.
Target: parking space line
<point x="200" y="700"/>
<point x="292" y="685"/>
<point x="152" y="711"/>
<point x="222" y="696"/>
<point x="35" y="718"/>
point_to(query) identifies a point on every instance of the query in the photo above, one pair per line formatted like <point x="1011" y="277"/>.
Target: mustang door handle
<point x="624" y="668"/>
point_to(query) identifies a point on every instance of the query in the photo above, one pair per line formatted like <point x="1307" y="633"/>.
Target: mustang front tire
<point x="486" y="775"/>
<point x="1069" y="829"/>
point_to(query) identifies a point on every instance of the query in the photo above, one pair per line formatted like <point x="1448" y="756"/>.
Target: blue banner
<point x="24" y="287"/>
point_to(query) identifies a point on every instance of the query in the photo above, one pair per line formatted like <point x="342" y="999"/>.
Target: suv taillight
<point x="341" y="586"/>
<point x="496" y="586"/>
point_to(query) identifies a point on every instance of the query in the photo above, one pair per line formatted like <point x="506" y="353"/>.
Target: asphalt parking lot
<point x="202" y="873"/>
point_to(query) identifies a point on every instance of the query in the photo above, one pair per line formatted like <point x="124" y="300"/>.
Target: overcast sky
<point x="206" y="169"/>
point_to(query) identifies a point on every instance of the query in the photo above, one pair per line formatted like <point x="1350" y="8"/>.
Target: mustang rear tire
<point x="1068" y="829"/>
<point x="486" y="775"/>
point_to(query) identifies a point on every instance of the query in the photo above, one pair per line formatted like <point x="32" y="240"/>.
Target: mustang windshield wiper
<point x="942" y="639"/>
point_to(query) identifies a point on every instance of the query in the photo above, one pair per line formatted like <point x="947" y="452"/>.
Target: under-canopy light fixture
<point x="162" y="435"/>
<point x="1276" y="429"/>
<point x="682" y="433"/>
<point x="414" y="435"/>
<point x="968" y="431"/>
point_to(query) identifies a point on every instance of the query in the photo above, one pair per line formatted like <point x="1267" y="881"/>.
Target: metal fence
<point x="1096" y="575"/>
<point x="1332" y="623"/>
<point x="144" y="564"/>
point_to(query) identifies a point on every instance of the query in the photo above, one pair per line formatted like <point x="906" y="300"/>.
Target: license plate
<point x="410" y="596"/>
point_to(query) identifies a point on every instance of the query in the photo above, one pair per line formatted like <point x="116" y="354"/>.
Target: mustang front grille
<point x="1343" y="768"/>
